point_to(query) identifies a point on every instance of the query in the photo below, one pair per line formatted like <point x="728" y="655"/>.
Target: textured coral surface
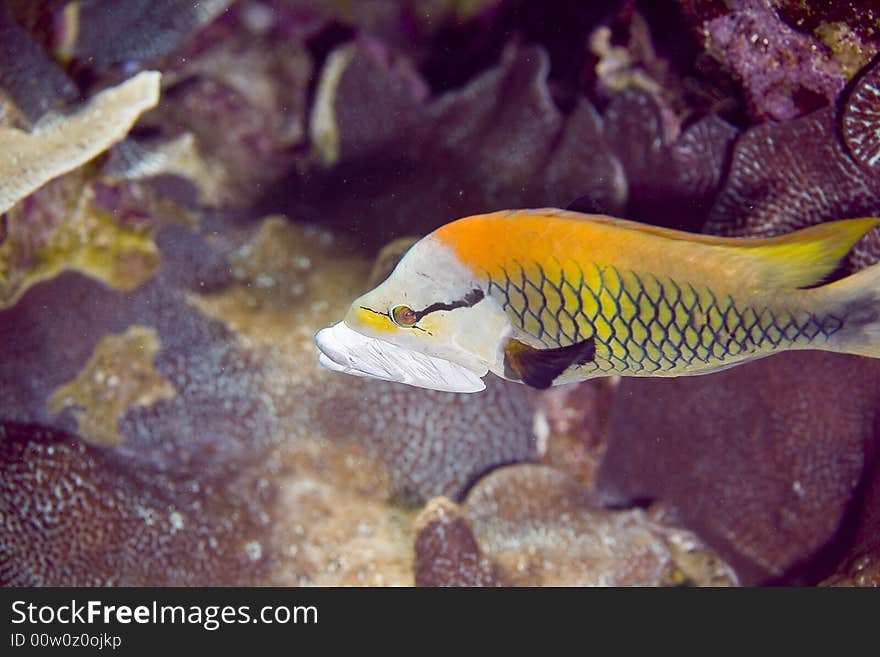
<point x="165" y="262"/>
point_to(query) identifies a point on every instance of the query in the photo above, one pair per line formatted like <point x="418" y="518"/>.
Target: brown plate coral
<point x="184" y="203"/>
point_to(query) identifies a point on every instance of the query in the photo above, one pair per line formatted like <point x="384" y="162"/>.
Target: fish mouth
<point x="345" y="350"/>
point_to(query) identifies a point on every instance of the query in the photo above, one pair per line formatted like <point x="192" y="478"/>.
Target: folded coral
<point x="59" y="143"/>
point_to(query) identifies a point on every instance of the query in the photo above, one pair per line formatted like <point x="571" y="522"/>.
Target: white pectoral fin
<point x="345" y="350"/>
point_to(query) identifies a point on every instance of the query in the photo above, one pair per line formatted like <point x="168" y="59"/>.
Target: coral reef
<point x="766" y="461"/>
<point x="638" y="161"/>
<point x="72" y="516"/>
<point x="504" y="122"/>
<point x="241" y="91"/>
<point x="238" y="386"/>
<point x="27" y="74"/>
<point x="571" y="426"/>
<point x="782" y="176"/>
<point x="859" y="562"/>
<point x="789" y="175"/>
<point x="108" y="33"/>
<point x="60" y="143"/>
<point x="71" y="224"/>
<point x="334" y="524"/>
<point x="164" y="264"/>
<point x="532" y="525"/>
<point x="672" y="174"/>
<point x="447" y="554"/>
<point x="99" y="394"/>
<point x="789" y="57"/>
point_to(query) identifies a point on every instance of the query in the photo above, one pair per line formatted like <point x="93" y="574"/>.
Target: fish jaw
<point x="345" y="350"/>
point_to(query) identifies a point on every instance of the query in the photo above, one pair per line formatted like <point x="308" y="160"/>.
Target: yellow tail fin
<point x="856" y="301"/>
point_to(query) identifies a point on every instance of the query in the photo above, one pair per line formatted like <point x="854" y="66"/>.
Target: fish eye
<point x="403" y="316"/>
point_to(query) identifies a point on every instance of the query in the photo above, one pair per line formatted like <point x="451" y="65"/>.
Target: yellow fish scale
<point x="654" y="301"/>
<point x="681" y="328"/>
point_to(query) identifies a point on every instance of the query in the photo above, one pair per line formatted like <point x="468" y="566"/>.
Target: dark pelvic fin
<point x="539" y="367"/>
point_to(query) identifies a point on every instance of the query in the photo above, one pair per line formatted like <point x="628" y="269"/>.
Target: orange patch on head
<point x="489" y="242"/>
<point x="516" y="242"/>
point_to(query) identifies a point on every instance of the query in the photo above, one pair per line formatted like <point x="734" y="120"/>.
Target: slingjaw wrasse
<point x="549" y="297"/>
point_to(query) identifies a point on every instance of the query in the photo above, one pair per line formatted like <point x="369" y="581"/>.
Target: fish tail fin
<point x="855" y="300"/>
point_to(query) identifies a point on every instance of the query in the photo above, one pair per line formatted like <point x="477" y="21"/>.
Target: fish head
<point x="432" y="324"/>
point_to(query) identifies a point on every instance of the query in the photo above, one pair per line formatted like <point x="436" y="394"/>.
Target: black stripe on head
<point x="472" y="298"/>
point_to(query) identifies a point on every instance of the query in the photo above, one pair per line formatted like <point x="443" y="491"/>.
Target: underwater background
<point x="189" y="190"/>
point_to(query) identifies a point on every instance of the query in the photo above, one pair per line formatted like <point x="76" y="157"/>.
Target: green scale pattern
<point x="645" y="325"/>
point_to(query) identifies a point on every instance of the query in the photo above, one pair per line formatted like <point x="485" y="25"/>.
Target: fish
<point x="547" y="297"/>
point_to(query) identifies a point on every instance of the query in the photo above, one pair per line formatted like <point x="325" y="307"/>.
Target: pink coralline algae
<point x="789" y="57"/>
<point x="781" y="68"/>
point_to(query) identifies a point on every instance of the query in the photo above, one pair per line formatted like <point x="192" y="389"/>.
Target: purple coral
<point x="819" y="167"/>
<point x="77" y="515"/>
<point x="783" y="72"/>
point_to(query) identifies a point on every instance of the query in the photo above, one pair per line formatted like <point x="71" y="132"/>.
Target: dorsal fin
<point x="798" y="259"/>
<point x="808" y="256"/>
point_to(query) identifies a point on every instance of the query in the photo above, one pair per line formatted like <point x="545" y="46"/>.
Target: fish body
<point x="548" y="297"/>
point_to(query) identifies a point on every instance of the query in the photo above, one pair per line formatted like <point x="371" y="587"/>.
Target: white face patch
<point x="345" y="350"/>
